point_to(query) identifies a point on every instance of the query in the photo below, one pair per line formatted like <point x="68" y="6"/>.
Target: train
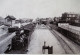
<point x="17" y="37"/>
<point x="22" y="37"/>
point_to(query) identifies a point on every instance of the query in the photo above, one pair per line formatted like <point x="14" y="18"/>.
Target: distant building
<point x="69" y="16"/>
<point x="29" y="20"/>
<point x="17" y="21"/>
<point x="56" y="19"/>
<point x="10" y="20"/>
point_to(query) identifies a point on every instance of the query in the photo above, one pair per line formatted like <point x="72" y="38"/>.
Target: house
<point x="10" y="20"/>
<point x="69" y="16"/>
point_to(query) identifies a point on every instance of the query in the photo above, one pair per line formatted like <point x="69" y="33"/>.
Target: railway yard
<point x="33" y="42"/>
<point x="42" y="36"/>
<point x="40" y="27"/>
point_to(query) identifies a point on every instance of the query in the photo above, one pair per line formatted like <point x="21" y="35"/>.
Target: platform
<point x="73" y="29"/>
<point x="41" y="34"/>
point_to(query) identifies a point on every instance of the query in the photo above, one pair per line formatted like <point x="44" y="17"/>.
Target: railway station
<point x="39" y="27"/>
<point x="43" y="36"/>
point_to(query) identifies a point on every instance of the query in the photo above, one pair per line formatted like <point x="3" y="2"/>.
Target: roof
<point x="11" y="17"/>
<point x="71" y="13"/>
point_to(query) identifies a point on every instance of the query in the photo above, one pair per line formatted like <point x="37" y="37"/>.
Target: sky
<point x="38" y="8"/>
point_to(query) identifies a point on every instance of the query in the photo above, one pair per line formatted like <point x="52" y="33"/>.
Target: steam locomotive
<point x="22" y="37"/>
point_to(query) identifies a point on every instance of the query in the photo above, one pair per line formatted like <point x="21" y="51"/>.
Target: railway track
<point x="65" y="46"/>
<point x="69" y="46"/>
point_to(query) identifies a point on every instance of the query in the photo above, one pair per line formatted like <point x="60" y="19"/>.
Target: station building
<point x="10" y="20"/>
